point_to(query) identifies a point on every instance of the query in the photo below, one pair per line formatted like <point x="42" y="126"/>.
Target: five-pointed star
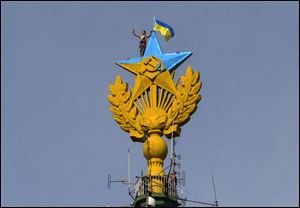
<point x="145" y="78"/>
<point x="170" y="60"/>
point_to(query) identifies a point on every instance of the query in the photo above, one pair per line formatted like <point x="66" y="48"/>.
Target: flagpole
<point x="153" y="23"/>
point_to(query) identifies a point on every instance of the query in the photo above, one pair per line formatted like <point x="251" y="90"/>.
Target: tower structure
<point x="157" y="106"/>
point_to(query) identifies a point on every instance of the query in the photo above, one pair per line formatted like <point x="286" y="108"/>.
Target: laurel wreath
<point x="124" y="112"/>
<point x="184" y="105"/>
<point x="185" y="102"/>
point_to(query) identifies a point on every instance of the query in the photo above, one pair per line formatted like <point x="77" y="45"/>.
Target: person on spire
<point x="143" y="40"/>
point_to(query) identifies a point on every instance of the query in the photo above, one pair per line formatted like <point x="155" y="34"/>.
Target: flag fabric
<point x="166" y="30"/>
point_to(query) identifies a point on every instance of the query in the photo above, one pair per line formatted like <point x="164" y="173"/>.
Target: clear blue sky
<point x="59" y="142"/>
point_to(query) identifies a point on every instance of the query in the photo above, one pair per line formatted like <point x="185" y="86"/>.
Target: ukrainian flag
<point x="166" y="30"/>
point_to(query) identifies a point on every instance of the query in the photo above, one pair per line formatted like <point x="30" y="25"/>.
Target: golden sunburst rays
<point x="154" y="97"/>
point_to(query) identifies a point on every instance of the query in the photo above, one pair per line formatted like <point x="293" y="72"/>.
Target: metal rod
<point x="129" y="170"/>
<point x="171" y="153"/>
<point x="121" y="181"/>
<point x="198" y="202"/>
<point x="213" y="182"/>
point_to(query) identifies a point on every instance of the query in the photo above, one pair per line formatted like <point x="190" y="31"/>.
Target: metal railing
<point x="145" y="185"/>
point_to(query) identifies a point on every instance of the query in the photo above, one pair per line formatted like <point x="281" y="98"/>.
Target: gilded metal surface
<point x="156" y="106"/>
<point x="155" y="103"/>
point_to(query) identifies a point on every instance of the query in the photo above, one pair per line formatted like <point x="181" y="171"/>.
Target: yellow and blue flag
<point x="166" y="30"/>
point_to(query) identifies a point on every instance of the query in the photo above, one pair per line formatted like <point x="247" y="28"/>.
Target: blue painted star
<point x="170" y="60"/>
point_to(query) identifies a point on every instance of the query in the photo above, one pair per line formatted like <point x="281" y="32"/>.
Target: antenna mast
<point x="213" y="183"/>
<point x="129" y="181"/>
<point x="126" y="182"/>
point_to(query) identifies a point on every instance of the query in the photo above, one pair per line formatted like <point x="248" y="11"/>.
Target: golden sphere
<point x="155" y="147"/>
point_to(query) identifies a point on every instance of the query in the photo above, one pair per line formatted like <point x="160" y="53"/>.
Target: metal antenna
<point x="108" y="181"/>
<point x="172" y="145"/>
<point x="184" y="201"/>
<point x="126" y="182"/>
<point x="172" y="154"/>
<point x="129" y="177"/>
<point x="181" y="180"/>
<point x="213" y="183"/>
